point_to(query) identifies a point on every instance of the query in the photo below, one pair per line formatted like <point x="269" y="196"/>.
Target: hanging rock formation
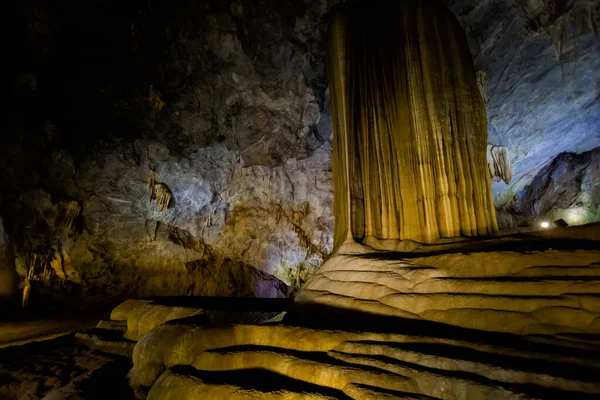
<point x="499" y="162"/>
<point x="543" y="69"/>
<point x="409" y="126"/>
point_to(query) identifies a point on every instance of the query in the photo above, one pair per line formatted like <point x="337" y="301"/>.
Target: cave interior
<point x="300" y="199"/>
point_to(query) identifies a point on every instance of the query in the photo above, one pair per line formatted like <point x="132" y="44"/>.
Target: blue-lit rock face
<point x="226" y="104"/>
<point x="537" y="106"/>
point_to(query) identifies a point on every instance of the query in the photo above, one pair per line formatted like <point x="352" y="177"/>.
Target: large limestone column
<point x="410" y="129"/>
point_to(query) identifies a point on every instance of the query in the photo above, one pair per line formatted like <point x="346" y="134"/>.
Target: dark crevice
<point x="538" y="366"/>
<point x="261" y="380"/>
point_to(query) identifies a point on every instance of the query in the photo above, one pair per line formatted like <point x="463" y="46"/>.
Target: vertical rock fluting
<point x="409" y="125"/>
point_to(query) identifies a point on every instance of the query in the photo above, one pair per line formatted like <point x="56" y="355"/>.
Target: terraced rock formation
<point x="541" y="292"/>
<point x="516" y="317"/>
<point x="133" y="319"/>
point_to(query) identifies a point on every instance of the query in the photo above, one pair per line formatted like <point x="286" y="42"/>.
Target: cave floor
<point x="39" y="354"/>
<point x="496" y="318"/>
<point x="414" y="350"/>
<point x="37" y="370"/>
<point x="33" y="328"/>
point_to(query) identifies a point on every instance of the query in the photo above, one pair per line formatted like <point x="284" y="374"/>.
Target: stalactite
<point x="162" y="195"/>
<point x="27" y="287"/>
<point x="70" y="211"/>
<point x="499" y="162"/>
<point x="38" y="266"/>
<point x="159" y="192"/>
<point x="409" y="125"/>
<point x="482" y="84"/>
<point x="58" y="263"/>
<point x="155" y="100"/>
<point x="562" y="26"/>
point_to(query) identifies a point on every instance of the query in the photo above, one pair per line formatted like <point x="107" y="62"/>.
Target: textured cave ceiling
<point x="226" y="103"/>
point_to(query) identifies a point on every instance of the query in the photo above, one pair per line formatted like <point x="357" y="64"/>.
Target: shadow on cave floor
<point x="324" y="317"/>
<point x="333" y="318"/>
<point x="37" y="326"/>
<point x="238" y="304"/>
<point x="260" y="380"/>
<point x="33" y="370"/>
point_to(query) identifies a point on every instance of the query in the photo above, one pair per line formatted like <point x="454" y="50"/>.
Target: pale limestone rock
<point x="142" y="316"/>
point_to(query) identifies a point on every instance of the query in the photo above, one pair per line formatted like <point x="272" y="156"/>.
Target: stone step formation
<point x="369" y="366"/>
<point x="465" y="320"/>
<point x="532" y="300"/>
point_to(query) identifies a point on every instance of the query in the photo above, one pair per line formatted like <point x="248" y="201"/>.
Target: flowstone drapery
<point x="499" y="162"/>
<point x="409" y="125"/>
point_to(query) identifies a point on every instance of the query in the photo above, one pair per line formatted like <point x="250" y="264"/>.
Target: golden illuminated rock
<point x="410" y="130"/>
<point x="70" y="211"/>
<point x="499" y="162"/>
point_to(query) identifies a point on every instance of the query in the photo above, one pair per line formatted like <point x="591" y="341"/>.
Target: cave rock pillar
<point x="410" y="129"/>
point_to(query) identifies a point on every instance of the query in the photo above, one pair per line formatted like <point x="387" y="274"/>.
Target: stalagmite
<point x="409" y="124"/>
<point x="499" y="162"/>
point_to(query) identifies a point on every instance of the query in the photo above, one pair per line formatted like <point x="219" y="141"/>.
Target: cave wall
<point x="568" y="188"/>
<point x="227" y="104"/>
<point x="543" y="79"/>
<point x="223" y="102"/>
<point x="8" y="276"/>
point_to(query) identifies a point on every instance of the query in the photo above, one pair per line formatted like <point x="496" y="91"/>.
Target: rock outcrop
<point x="507" y="318"/>
<point x="486" y="285"/>
<point x="568" y="188"/>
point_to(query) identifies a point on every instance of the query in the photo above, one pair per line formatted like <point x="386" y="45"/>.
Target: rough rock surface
<point x="225" y="104"/>
<point x="568" y="188"/>
<point x="34" y="370"/>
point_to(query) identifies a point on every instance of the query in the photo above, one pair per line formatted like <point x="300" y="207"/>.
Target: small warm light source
<point x="545" y="225"/>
